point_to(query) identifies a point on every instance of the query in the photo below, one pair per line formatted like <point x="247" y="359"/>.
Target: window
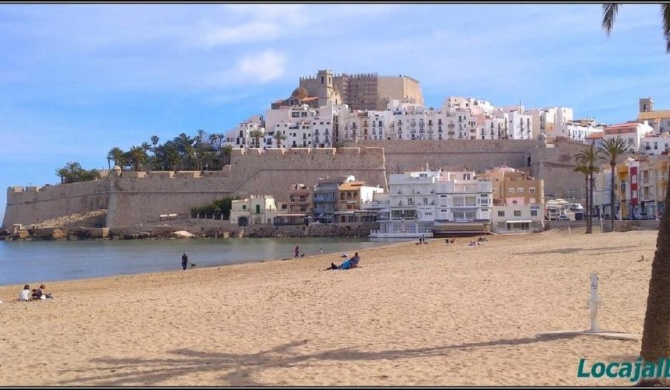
<point x="519" y="190"/>
<point x="517" y="213"/>
<point x="531" y="190"/>
<point x="533" y="213"/>
<point x="510" y="190"/>
<point x="501" y="213"/>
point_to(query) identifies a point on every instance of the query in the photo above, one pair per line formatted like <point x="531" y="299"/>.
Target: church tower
<point x="646" y="105"/>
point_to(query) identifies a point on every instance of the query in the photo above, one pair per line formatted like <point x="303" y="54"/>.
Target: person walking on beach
<point x="184" y="261"/>
<point x="297" y="252"/>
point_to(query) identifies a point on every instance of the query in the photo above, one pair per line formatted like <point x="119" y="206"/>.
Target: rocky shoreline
<point x="192" y="230"/>
<point x="90" y="226"/>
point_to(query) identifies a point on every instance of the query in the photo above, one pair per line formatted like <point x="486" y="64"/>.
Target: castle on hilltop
<point x="366" y="91"/>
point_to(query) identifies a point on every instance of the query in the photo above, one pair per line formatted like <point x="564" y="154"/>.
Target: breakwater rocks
<point x="167" y="232"/>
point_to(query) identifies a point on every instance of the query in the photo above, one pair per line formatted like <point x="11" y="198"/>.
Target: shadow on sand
<point x="239" y="369"/>
<point x="605" y="250"/>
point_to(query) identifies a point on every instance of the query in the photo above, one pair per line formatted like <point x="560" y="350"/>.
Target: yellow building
<point x="514" y="187"/>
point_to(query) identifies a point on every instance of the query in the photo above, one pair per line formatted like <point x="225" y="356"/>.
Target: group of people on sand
<point x="347" y="263"/>
<point x="35" y="294"/>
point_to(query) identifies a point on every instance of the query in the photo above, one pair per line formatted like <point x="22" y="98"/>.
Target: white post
<point x="594" y="302"/>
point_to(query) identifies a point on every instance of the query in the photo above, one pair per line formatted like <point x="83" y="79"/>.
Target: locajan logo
<point x="631" y="370"/>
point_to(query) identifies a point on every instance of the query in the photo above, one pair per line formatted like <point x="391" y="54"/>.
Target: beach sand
<point x="412" y="315"/>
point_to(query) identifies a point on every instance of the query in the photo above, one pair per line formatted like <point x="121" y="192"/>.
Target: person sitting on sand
<point x="25" y="293"/>
<point x="355" y="260"/>
<point x="40" y="293"/>
<point x="346" y="264"/>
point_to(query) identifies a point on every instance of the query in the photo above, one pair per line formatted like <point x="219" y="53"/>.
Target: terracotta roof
<point x="351" y="185"/>
<point x="660" y="114"/>
<point x="597" y="135"/>
<point x="621" y="128"/>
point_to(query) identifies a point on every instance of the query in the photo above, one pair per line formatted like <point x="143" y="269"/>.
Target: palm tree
<point x="656" y="333"/>
<point x="154" y="141"/>
<point x="609" y="14"/>
<point x="117" y="155"/>
<point x="226" y="151"/>
<point x="256" y="135"/>
<point x="137" y="156"/>
<point x="279" y="137"/>
<point x="200" y="138"/>
<point x="587" y="160"/>
<point x="63" y="174"/>
<point x="612" y="149"/>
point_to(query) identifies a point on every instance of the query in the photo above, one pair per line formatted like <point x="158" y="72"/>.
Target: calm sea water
<point x="34" y="262"/>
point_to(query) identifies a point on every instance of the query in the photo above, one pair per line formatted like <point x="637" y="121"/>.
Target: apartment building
<point x="511" y="187"/>
<point x="632" y="132"/>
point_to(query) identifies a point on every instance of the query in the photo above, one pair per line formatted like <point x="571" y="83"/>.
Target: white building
<point x="655" y="144"/>
<point x="520" y="123"/>
<point x="462" y="197"/>
<point x="517" y="218"/>
<point x="545" y="120"/>
<point x="257" y="209"/>
<point x="241" y="136"/>
<point x="631" y="132"/>
<point x="578" y="130"/>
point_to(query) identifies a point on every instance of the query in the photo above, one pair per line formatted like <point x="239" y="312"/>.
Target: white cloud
<point x="266" y="67"/>
<point x="256" y="68"/>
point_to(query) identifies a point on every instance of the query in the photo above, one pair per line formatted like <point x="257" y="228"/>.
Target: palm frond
<point x="609" y="14"/>
<point x="665" y="11"/>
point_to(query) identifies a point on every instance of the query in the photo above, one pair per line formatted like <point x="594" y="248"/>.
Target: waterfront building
<point x="256" y="209"/>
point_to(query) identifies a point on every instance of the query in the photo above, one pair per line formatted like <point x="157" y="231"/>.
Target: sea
<point x="36" y="262"/>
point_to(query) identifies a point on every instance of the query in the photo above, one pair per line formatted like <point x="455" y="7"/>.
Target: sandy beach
<point x="412" y="315"/>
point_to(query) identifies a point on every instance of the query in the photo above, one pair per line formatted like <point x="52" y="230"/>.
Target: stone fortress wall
<point x="35" y="204"/>
<point x="136" y="197"/>
<point x="554" y="163"/>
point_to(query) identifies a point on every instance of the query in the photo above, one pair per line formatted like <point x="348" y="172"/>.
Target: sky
<point x="77" y="80"/>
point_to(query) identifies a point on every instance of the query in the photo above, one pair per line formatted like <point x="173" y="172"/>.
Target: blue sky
<point x="79" y="79"/>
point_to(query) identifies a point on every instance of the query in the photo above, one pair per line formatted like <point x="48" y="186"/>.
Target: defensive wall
<point x="136" y="197"/>
<point x="29" y="205"/>
<point x="553" y="163"/>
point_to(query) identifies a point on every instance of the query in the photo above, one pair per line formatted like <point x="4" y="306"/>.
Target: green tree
<point x="587" y="160"/>
<point x="137" y="156"/>
<point x="118" y="156"/>
<point x="611" y="150"/>
<point x="73" y="172"/>
<point x="256" y="135"/>
<point x="279" y="137"/>
<point x="656" y="333"/>
<point x="226" y="152"/>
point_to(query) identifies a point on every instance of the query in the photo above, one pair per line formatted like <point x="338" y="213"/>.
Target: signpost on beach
<point x="594" y="302"/>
